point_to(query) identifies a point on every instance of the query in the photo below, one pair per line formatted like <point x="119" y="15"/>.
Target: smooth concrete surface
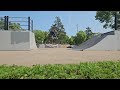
<point x="32" y="41"/>
<point x="17" y="40"/>
<point x="106" y="41"/>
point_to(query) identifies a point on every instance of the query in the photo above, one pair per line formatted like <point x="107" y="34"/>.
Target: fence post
<point x="115" y="21"/>
<point x="32" y="25"/>
<point x="29" y="23"/>
<point x="4" y="22"/>
<point x="7" y="23"/>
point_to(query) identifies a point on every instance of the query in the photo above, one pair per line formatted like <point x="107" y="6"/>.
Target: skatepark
<point x="96" y="49"/>
<point x="19" y="48"/>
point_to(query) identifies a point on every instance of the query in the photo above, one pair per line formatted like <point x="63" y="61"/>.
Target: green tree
<point x="46" y="37"/>
<point x="39" y="36"/>
<point x="12" y="26"/>
<point x="57" y="32"/>
<point x="53" y="34"/>
<point x="80" y="37"/>
<point x="106" y="17"/>
<point x="1" y="23"/>
<point x="89" y="33"/>
<point x="72" y="40"/>
<point x="65" y="39"/>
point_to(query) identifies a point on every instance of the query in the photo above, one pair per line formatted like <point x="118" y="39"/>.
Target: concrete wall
<point x="20" y="40"/>
<point x="117" y="33"/>
<point x="32" y="41"/>
<point x="5" y="40"/>
<point x="16" y="40"/>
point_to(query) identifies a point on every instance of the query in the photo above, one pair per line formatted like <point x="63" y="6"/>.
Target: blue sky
<point x="44" y="19"/>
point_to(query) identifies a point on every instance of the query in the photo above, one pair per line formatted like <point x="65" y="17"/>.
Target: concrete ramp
<point x="17" y="40"/>
<point x="105" y="41"/>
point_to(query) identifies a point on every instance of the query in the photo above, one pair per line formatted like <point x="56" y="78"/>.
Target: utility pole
<point x="77" y="28"/>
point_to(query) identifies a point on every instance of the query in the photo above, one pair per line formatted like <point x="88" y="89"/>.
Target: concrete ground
<point x="55" y="56"/>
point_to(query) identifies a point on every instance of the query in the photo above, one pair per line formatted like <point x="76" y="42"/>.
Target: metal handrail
<point x="23" y="25"/>
<point x="18" y="21"/>
<point x="8" y="19"/>
<point x="20" y="25"/>
<point x="18" y="17"/>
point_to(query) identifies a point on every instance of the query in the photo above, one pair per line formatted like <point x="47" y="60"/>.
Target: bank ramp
<point x="106" y="41"/>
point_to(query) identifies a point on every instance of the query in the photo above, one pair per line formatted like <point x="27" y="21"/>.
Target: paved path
<point x="55" y="56"/>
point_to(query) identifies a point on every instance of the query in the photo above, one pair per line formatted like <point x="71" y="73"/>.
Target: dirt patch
<point x="55" y="56"/>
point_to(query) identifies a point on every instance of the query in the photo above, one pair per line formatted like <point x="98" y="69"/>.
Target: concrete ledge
<point x="17" y="40"/>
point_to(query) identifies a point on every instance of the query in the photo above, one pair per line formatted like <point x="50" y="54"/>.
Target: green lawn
<point x="90" y="70"/>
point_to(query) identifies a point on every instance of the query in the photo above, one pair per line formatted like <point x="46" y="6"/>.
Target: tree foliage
<point x="72" y="40"/>
<point x="89" y="33"/>
<point x="40" y="36"/>
<point x="106" y="17"/>
<point x="80" y="37"/>
<point x="12" y="26"/>
<point x="65" y="39"/>
<point x="57" y="32"/>
<point x="46" y="39"/>
<point x="1" y="23"/>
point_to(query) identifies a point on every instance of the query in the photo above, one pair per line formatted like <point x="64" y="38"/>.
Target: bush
<point x="88" y="70"/>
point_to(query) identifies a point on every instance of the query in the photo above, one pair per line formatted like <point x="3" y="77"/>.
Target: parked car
<point x="69" y="46"/>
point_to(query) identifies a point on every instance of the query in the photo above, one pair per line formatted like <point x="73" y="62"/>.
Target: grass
<point x="88" y="70"/>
